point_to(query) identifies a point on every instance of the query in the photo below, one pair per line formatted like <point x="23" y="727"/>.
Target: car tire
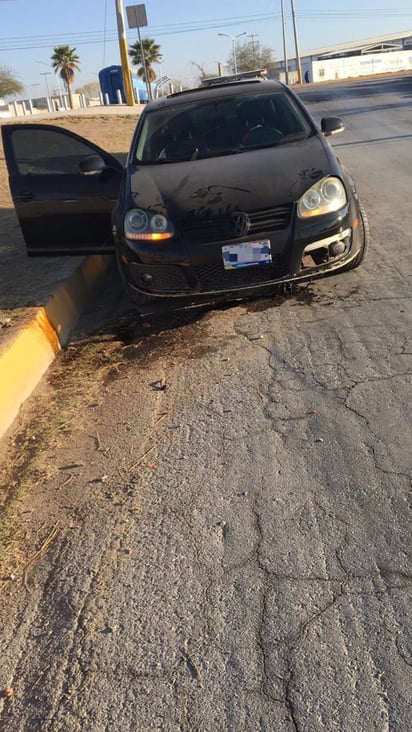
<point x="365" y="229"/>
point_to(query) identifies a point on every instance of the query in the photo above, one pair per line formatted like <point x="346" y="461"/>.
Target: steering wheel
<point x="262" y="135"/>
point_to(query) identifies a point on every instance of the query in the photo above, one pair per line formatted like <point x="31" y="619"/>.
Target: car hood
<point x="247" y="181"/>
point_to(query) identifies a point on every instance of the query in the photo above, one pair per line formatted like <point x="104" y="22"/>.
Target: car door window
<point x="47" y="152"/>
<point x="60" y="209"/>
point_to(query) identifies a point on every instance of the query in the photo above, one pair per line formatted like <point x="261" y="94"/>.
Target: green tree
<point x="66" y="62"/>
<point x="152" y="55"/>
<point x="250" y="56"/>
<point x="9" y="86"/>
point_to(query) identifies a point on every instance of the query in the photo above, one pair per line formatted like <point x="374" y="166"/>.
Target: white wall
<point x="371" y="63"/>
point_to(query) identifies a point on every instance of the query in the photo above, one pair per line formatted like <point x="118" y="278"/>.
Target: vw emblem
<point x="239" y="224"/>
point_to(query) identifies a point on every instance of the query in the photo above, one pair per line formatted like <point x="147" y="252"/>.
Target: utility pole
<point x="253" y="44"/>
<point x="285" y="53"/>
<point x="298" y="64"/>
<point x="124" y="56"/>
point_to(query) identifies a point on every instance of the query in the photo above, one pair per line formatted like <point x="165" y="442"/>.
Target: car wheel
<point x="365" y="233"/>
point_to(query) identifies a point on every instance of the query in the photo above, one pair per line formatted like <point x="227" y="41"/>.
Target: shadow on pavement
<point x="395" y="138"/>
<point x="355" y="89"/>
<point x="27" y="282"/>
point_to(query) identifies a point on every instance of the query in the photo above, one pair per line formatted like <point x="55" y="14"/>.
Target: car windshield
<point x="222" y="126"/>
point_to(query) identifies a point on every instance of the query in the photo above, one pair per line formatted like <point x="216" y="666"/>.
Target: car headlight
<point x="141" y="224"/>
<point x="323" y="197"/>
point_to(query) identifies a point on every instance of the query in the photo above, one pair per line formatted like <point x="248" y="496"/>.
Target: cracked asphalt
<point x="206" y="520"/>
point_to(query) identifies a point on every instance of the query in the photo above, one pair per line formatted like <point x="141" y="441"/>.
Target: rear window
<point x="223" y="126"/>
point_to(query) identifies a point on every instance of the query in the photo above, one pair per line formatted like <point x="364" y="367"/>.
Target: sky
<point x="187" y="32"/>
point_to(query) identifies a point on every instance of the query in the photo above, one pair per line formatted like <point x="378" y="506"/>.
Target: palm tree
<point x="152" y="55"/>
<point x="66" y="62"/>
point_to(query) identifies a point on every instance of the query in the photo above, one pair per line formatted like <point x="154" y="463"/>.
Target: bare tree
<point x="90" y="90"/>
<point x="250" y="56"/>
<point x="202" y="73"/>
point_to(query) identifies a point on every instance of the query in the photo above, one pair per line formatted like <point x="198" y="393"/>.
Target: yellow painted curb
<point x="28" y="356"/>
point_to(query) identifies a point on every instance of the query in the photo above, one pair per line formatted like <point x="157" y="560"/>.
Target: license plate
<point x="247" y="254"/>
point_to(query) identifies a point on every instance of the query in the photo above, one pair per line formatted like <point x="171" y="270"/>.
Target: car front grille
<point x="215" y="277"/>
<point x="218" y="229"/>
<point x="166" y="277"/>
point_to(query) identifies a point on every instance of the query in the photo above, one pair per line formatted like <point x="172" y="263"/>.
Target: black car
<point x="228" y="190"/>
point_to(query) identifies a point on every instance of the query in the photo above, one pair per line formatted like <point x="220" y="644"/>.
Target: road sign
<point x="136" y="16"/>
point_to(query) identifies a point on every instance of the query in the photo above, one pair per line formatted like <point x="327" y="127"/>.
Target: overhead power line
<point x="20" y="43"/>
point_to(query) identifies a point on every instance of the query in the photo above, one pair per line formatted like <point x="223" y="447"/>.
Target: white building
<point x="379" y="55"/>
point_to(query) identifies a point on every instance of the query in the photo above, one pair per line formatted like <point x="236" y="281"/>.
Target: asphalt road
<point x="208" y="524"/>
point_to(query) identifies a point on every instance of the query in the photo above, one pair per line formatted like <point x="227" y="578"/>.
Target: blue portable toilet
<point x="111" y="80"/>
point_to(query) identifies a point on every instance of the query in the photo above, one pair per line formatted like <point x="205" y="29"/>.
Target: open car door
<point x="63" y="188"/>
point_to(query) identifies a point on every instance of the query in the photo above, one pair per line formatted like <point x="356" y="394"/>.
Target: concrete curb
<point x="29" y="354"/>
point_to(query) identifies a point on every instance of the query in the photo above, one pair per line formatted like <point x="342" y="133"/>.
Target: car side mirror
<point x="92" y="165"/>
<point x="331" y="125"/>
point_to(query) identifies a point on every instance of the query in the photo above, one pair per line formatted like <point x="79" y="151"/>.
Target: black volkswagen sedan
<point x="228" y="190"/>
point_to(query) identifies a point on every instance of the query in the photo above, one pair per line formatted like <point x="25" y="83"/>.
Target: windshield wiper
<point x="293" y="136"/>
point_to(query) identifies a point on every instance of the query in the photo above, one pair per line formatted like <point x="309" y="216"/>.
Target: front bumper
<point x="301" y="251"/>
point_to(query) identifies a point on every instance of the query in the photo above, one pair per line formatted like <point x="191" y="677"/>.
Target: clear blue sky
<point x="186" y="31"/>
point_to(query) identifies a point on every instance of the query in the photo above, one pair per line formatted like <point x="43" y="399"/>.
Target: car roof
<point x="215" y="88"/>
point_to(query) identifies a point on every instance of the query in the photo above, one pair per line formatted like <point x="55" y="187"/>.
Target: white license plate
<point x="247" y="254"/>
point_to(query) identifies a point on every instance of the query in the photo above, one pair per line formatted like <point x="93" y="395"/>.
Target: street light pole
<point x="59" y="92"/>
<point x="295" y="31"/>
<point x="234" y="39"/>
<point x="46" y="74"/>
<point x="285" y="53"/>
